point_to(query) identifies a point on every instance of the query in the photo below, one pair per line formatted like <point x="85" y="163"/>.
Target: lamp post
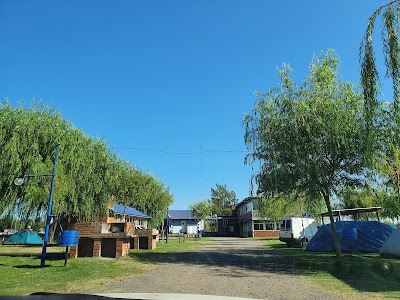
<point x="19" y="181"/>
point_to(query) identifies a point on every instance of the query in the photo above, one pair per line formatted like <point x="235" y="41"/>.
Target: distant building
<point x="225" y="225"/>
<point x="121" y="214"/>
<point x="124" y="229"/>
<point x="251" y="224"/>
<point x="182" y="221"/>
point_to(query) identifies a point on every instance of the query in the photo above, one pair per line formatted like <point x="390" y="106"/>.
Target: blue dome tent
<point x="24" y="237"/>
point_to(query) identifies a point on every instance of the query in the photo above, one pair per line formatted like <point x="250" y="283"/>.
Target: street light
<point x="21" y="180"/>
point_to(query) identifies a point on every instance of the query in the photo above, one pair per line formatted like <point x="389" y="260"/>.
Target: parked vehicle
<point x="297" y="230"/>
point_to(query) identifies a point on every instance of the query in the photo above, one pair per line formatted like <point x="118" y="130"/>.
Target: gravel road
<point x="224" y="267"/>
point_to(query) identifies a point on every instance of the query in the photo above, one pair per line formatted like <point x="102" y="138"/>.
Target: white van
<point x="297" y="230"/>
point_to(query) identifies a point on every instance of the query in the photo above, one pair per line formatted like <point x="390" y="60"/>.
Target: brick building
<point x="251" y="223"/>
<point x="124" y="229"/>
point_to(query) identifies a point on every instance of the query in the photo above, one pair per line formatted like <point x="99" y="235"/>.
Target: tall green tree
<point x="88" y="172"/>
<point x="201" y="209"/>
<point x="386" y="160"/>
<point x="308" y="138"/>
<point x="222" y="200"/>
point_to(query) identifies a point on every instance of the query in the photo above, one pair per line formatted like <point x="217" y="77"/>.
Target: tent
<point x="391" y="247"/>
<point x="364" y="237"/>
<point x="24" y="237"/>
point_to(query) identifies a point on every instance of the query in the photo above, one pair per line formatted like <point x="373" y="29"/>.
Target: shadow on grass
<point x="363" y="272"/>
<point x="31" y="266"/>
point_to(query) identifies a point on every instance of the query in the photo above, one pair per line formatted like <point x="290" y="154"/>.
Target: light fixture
<point x="19" y="181"/>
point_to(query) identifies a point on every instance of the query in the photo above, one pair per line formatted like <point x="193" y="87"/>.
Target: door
<point x="183" y="227"/>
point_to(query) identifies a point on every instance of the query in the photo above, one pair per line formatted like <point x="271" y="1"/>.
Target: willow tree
<point x="390" y="17"/>
<point x="158" y="202"/>
<point x="88" y="172"/>
<point x="275" y="206"/>
<point x="142" y="191"/>
<point x="308" y="138"/>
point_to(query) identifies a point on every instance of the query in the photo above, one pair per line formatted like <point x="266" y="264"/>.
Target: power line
<point x="181" y="152"/>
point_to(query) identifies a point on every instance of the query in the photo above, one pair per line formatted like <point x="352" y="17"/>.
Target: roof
<point x="247" y="199"/>
<point x="120" y="209"/>
<point x="351" y="211"/>
<point x="180" y="214"/>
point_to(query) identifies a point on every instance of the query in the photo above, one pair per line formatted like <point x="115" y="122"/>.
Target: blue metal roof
<point x="119" y="209"/>
<point x="180" y="214"/>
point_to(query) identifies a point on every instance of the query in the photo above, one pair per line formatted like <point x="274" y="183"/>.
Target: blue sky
<point x="172" y="77"/>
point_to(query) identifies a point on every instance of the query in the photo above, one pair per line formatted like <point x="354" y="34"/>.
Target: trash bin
<point x="68" y="238"/>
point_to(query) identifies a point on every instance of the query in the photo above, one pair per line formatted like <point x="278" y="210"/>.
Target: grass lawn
<point x="359" y="275"/>
<point x="34" y="250"/>
<point x="22" y="275"/>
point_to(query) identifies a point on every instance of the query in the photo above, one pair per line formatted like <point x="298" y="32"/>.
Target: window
<point x="270" y="226"/>
<point x="248" y="207"/>
<point x="225" y="223"/>
<point x="288" y="224"/>
<point x="285" y="225"/>
<point x="255" y="204"/>
<point x="259" y="226"/>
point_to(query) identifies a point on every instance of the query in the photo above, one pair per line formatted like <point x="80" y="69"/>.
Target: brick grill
<point x="95" y="239"/>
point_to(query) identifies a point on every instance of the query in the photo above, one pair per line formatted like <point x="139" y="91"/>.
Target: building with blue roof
<point x="120" y="214"/>
<point x="182" y="221"/>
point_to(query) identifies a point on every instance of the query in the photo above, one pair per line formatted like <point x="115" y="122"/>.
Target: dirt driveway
<point x="223" y="267"/>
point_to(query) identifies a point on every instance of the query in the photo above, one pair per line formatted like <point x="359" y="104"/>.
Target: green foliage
<point x="391" y="50"/>
<point x="88" y="172"/>
<point x="278" y="206"/>
<point x="221" y="203"/>
<point x="367" y="197"/>
<point x="308" y="139"/>
<point x="201" y="209"/>
<point x="6" y="222"/>
<point x="386" y="162"/>
<point x="222" y="200"/>
<point x="355" y="198"/>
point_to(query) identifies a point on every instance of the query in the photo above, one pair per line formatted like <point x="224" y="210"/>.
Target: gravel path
<point x="224" y="267"/>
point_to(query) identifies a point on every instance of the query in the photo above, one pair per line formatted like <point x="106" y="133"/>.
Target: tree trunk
<point x="333" y="227"/>
<point x="162" y="231"/>
<point x="26" y="221"/>
<point x="52" y="232"/>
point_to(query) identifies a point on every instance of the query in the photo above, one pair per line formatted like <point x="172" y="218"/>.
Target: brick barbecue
<point x="111" y="239"/>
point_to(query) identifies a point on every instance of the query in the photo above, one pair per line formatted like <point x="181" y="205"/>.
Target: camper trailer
<point x="297" y="230"/>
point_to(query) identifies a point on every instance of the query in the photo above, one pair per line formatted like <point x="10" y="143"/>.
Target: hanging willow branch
<point x="390" y="14"/>
<point x="89" y="174"/>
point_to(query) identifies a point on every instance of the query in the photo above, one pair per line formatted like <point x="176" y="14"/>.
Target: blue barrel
<point x="68" y="238"/>
<point x="349" y="234"/>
